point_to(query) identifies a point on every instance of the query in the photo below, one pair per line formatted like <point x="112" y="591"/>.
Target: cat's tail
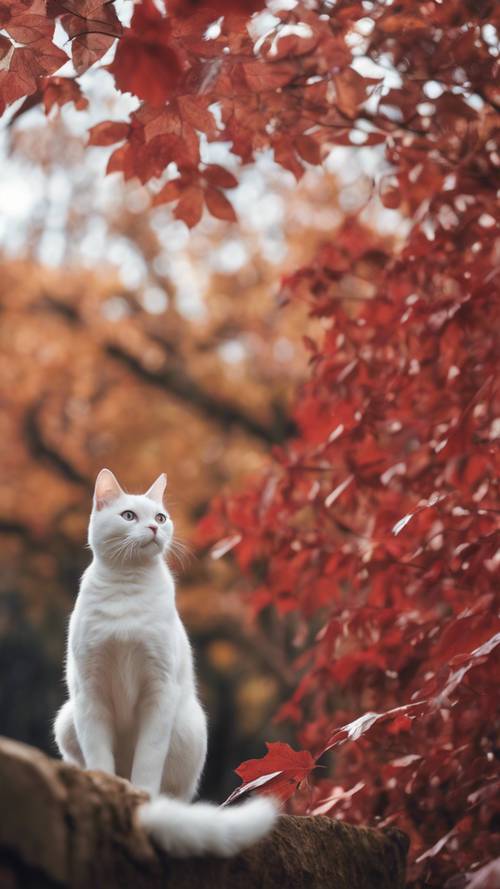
<point x="185" y="829"/>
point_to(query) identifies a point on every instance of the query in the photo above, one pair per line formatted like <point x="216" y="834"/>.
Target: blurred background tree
<point x="340" y="158"/>
<point x="134" y="346"/>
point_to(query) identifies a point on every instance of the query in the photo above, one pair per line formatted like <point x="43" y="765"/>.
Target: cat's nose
<point x="153" y="528"/>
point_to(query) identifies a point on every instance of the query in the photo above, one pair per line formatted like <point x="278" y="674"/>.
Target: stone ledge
<point x="62" y="827"/>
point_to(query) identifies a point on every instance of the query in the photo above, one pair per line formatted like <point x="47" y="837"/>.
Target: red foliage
<point x="148" y="63"/>
<point x="375" y="533"/>
<point x="278" y="773"/>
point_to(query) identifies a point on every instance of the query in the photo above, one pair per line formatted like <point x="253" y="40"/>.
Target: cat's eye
<point x="128" y="515"/>
<point x="160" y="518"/>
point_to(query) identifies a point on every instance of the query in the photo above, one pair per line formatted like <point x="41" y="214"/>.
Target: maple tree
<point x="373" y="538"/>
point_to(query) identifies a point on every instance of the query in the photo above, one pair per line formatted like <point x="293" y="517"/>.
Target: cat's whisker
<point x="182" y="553"/>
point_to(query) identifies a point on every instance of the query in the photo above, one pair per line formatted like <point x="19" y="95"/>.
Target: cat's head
<point x="129" y="528"/>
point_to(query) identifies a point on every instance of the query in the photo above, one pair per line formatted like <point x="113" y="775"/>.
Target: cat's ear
<point x="106" y="489"/>
<point x="157" y="489"/>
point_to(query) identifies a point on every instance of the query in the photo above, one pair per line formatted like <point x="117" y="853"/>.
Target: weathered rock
<point x="62" y="827"/>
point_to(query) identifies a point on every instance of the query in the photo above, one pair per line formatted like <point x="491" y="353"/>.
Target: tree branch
<point x="180" y="384"/>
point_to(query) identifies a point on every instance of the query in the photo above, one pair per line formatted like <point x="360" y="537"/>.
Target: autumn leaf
<point x="25" y="66"/>
<point x="170" y="192"/>
<point x="351" y="90"/>
<point x="60" y="90"/>
<point x="148" y="63"/>
<point x="308" y="149"/>
<point x="28" y="28"/>
<point x="218" y="204"/>
<point x="219" y="177"/>
<point x="195" y="111"/>
<point x="120" y="161"/>
<point x="401" y="22"/>
<point x="390" y="193"/>
<point x="190" y="206"/>
<point x="278" y="773"/>
<point x="92" y="29"/>
<point x="5" y="46"/>
<point x="262" y="76"/>
<point x="108" y="132"/>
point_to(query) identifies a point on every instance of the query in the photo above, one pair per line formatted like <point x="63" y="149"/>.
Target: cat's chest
<point x="122" y="629"/>
<point x="125" y="618"/>
<point x="123" y="651"/>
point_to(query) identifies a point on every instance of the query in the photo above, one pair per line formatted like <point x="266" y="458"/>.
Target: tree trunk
<point x="62" y="827"/>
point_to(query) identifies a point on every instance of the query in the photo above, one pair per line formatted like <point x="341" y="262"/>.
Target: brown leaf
<point x="170" y="192"/>
<point x="108" y="132"/>
<point x="148" y="62"/>
<point x="121" y="161"/>
<point x="190" y="206"/>
<point x="218" y="205"/>
<point x="308" y="149"/>
<point x="393" y="23"/>
<point x="219" y="176"/>
<point x="389" y="192"/>
<point x="5" y="46"/>
<point x="89" y="48"/>
<point x="350" y="90"/>
<point x="60" y="90"/>
<point x="194" y="110"/>
<point x="262" y="76"/>
<point x="30" y="28"/>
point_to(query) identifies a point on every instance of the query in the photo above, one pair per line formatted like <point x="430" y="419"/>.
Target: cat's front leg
<point x="157" y="715"/>
<point x="94" y="728"/>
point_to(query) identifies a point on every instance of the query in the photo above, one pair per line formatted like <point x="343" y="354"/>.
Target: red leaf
<point x="262" y="76"/>
<point x="284" y="154"/>
<point x="60" y="90"/>
<point x="218" y="205"/>
<point x="389" y="191"/>
<point x="308" y="149"/>
<point x="121" y="161"/>
<point x="30" y="28"/>
<point x="92" y="27"/>
<point x="148" y="62"/>
<point x="278" y="773"/>
<point x="359" y="727"/>
<point x="219" y="176"/>
<point x="350" y="88"/>
<point x="190" y="206"/>
<point x="108" y="132"/>
<point x="27" y="65"/>
<point x="151" y="71"/>
<point x="194" y="110"/>
<point x="170" y="192"/>
<point x="402" y="723"/>
<point x="86" y="49"/>
<point x="394" y="23"/>
<point x="5" y="46"/>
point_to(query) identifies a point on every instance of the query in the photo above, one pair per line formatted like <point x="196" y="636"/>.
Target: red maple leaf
<point x="60" y="90"/>
<point x="148" y="63"/>
<point x="278" y="773"/>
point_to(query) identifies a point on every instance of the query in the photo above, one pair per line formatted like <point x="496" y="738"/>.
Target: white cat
<point x="133" y="708"/>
